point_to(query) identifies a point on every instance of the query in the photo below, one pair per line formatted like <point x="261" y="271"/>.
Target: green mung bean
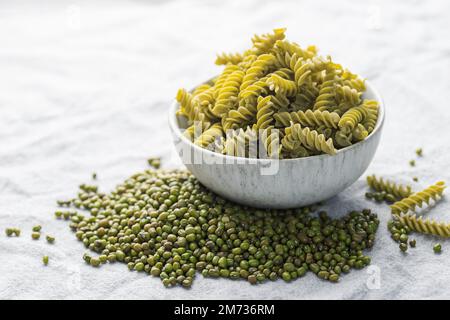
<point x="164" y="222"/>
<point x="437" y="248"/>
<point x="419" y="152"/>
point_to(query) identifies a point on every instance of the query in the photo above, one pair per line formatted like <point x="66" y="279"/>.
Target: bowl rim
<point x="173" y="123"/>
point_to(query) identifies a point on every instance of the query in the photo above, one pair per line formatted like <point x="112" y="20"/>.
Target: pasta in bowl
<point x="281" y="127"/>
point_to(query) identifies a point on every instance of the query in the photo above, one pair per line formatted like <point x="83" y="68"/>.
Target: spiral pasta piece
<point x="318" y="64"/>
<point x="426" y="226"/>
<point x="280" y="101"/>
<point x="265" y="110"/>
<point x="201" y="88"/>
<point x="188" y="107"/>
<point x="296" y="151"/>
<point x="271" y="142"/>
<point x="301" y="68"/>
<point x="205" y="97"/>
<point x="343" y="137"/>
<point x="239" y="118"/>
<point x="241" y="143"/>
<point x="283" y="47"/>
<point x="347" y="95"/>
<point x="353" y="81"/>
<point x="397" y="190"/>
<point x="184" y="98"/>
<point x="352" y="117"/>
<point x="261" y="87"/>
<point x="208" y="137"/>
<point x="418" y="199"/>
<point x="308" y="118"/>
<point x="225" y="58"/>
<point x="195" y="130"/>
<point x="360" y="132"/>
<point x="327" y="132"/>
<point x="305" y="98"/>
<point x="246" y="63"/>
<point x="280" y="85"/>
<point x="228" y="95"/>
<point x="265" y="42"/>
<point x="372" y="114"/>
<point x="310" y="139"/>
<point x="229" y="69"/>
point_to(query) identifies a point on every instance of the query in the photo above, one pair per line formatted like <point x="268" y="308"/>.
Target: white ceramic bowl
<point x="271" y="183"/>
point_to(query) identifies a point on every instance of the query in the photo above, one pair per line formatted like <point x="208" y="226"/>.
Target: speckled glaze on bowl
<point x="297" y="182"/>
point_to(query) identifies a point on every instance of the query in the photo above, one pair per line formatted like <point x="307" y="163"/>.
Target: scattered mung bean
<point x="35" y="235"/>
<point x="437" y="248"/>
<point x="419" y="152"/>
<point x="50" y="239"/>
<point x="12" y="232"/>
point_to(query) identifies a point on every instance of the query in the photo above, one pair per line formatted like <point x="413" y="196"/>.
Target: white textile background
<point x="85" y="85"/>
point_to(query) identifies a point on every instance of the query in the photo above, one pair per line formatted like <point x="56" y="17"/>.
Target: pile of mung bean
<point x="165" y="223"/>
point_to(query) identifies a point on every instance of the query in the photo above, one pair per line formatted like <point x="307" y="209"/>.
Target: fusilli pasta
<point x="310" y="139"/>
<point x="397" y="190"/>
<point x="426" y="226"/>
<point x="307" y="118"/>
<point x="294" y="101"/>
<point x="209" y="136"/>
<point x="418" y="199"/>
<point x="226" y="58"/>
<point x="352" y="117"/>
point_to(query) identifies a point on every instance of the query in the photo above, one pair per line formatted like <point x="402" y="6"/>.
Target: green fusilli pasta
<point x="271" y="142"/>
<point x="241" y="143"/>
<point x="264" y="43"/>
<point x="352" y="117"/>
<point x="226" y="58"/>
<point x="280" y="85"/>
<point x="426" y="226"/>
<point x="244" y="115"/>
<point x="327" y="93"/>
<point x="228" y="94"/>
<point x="310" y="139"/>
<point x="372" y="114"/>
<point x="343" y="137"/>
<point x="264" y="113"/>
<point x="397" y="190"/>
<point x="418" y="199"/>
<point x="307" y="119"/>
<point x="209" y="136"/>
<point x="258" y="69"/>
<point x="296" y="102"/>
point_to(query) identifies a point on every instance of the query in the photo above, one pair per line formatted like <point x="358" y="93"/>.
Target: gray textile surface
<point x="84" y="86"/>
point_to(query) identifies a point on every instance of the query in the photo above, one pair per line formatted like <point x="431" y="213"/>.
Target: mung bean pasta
<point x="427" y="226"/>
<point x="418" y="199"/>
<point x="269" y="87"/>
<point x="397" y="190"/>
